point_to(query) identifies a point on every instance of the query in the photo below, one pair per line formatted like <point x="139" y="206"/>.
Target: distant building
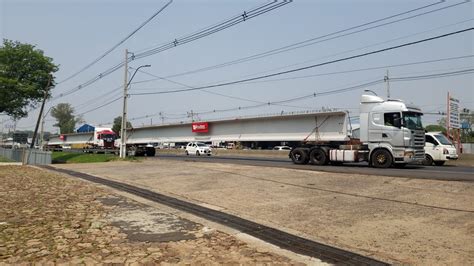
<point x="85" y="128"/>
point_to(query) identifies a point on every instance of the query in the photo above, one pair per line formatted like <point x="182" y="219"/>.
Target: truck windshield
<point x="443" y="140"/>
<point x="412" y="120"/>
<point x="202" y="145"/>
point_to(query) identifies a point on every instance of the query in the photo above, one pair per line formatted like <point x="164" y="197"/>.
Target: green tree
<point x="64" y="115"/>
<point x="435" y="128"/>
<point x="24" y="75"/>
<point x="118" y="125"/>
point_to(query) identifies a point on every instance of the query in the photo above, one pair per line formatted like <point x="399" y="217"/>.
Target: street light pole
<point x="123" y="131"/>
<point x="371" y="92"/>
<point x="123" y="148"/>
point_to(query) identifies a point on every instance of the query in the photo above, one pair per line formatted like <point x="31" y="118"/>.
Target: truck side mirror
<point x="397" y="122"/>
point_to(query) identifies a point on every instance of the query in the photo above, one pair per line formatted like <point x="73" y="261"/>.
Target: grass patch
<point x="70" y="157"/>
<point x="5" y="160"/>
<point x="79" y="157"/>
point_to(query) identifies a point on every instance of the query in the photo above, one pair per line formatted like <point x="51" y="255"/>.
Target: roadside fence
<point x="468" y="148"/>
<point x="27" y="156"/>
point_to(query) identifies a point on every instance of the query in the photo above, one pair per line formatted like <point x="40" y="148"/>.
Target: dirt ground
<point x="49" y="218"/>
<point x="399" y="220"/>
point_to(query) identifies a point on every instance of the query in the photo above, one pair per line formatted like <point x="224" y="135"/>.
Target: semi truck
<point x="100" y="140"/>
<point x="390" y="134"/>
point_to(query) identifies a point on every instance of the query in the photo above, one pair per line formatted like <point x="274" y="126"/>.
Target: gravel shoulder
<point x="399" y="220"/>
<point x="50" y="218"/>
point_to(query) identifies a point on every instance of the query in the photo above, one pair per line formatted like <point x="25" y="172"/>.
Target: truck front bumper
<point x="409" y="155"/>
<point x="451" y="157"/>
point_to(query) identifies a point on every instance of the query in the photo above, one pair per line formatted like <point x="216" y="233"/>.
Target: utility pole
<point x="32" y="145"/>
<point x="387" y="80"/>
<point x="191" y="114"/>
<point x="123" y="131"/>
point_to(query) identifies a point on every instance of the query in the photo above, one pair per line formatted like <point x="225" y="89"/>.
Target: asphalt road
<point x="449" y="173"/>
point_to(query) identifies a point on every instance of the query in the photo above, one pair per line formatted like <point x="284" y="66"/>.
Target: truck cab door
<point x="393" y="132"/>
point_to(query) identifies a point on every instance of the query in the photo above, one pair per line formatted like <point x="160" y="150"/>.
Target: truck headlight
<point x="409" y="154"/>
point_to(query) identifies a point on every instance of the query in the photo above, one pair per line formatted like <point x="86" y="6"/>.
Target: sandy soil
<point x="394" y="219"/>
<point x="49" y="218"/>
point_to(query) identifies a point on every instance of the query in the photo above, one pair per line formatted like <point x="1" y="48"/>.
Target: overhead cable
<point x="310" y="66"/>
<point x="334" y="91"/>
<point x="323" y="38"/>
<point x="116" y="45"/>
<point x="246" y="15"/>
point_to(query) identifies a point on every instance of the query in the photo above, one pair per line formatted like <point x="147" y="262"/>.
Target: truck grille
<point x="420" y="153"/>
<point x="419" y="139"/>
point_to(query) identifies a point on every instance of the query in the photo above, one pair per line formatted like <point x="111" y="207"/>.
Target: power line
<point x="310" y="66"/>
<point x="210" y="92"/>
<point x="355" y="49"/>
<point x="216" y="28"/>
<point x="111" y="94"/>
<point x="246" y="15"/>
<point x="334" y="91"/>
<point x="118" y="44"/>
<point x="103" y="105"/>
<point x="344" y="71"/>
<point x="322" y="38"/>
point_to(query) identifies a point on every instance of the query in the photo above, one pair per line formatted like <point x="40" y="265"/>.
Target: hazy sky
<point x="74" y="33"/>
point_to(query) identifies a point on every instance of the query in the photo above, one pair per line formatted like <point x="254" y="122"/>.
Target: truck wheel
<point x="197" y="153"/>
<point x="299" y="156"/>
<point x="439" y="163"/>
<point x="318" y="157"/>
<point x="150" y="152"/>
<point x="381" y="159"/>
<point x="428" y="160"/>
<point x="187" y="153"/>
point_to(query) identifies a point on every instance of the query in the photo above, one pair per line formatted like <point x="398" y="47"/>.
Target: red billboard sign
<point x="200" y="127"/>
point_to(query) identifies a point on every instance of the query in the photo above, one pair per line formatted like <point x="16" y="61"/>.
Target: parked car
<point x="198" y="148"/>
<point x="438" y="149"/>
<point x="281" y="148"/>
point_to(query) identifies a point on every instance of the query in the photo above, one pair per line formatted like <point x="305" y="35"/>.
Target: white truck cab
<point x="438" y="149"/>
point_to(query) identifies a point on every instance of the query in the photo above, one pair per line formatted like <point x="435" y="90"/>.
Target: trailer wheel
<point x="318" y="157"/>
<point x="299" y="156"/>
<point x="381" y="159"/>
<point x="150" y="152"/>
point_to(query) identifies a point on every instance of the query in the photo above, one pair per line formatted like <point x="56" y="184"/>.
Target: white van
<point x="438" y="149"/>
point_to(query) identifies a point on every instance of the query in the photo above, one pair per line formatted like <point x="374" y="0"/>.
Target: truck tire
<point x="187" y="153"/>
<point x="197" y="153"/>
<point x="439" y="163"/>
<point x="150" y="152"/>
<point x="299" y="156"/>
<point x="318" y="156"/>
<point x="428" y="160"/>
<point x="381" y="158"/>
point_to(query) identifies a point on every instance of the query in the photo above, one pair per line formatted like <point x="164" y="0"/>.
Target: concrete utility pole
<point x="123" y="147"/>
<point x="32" y="145"/>
<point x="387" y="80"/>
<point x="42" y="127"/>
<point x="126" y="84"/>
